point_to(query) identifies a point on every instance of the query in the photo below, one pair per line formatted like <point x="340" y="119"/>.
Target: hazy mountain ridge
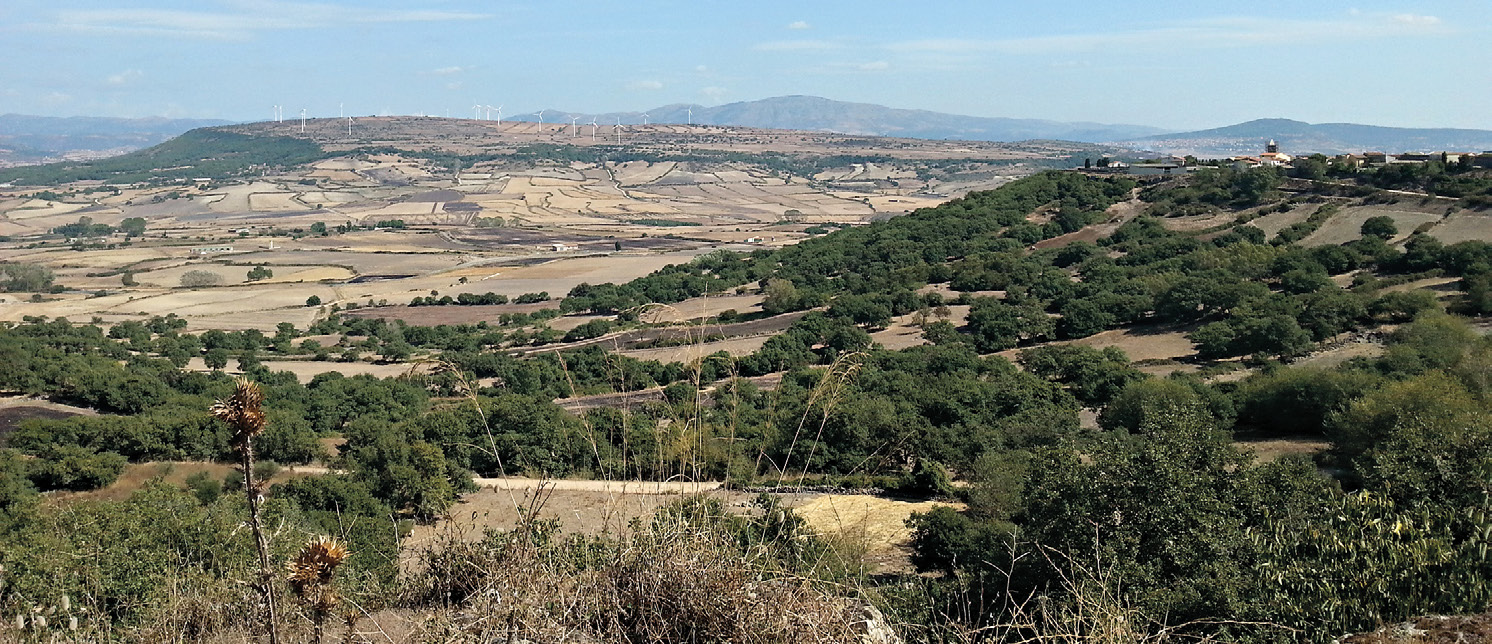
<point x="822" y="114"/>
<point x="1298" y="137"/>
<point x="34" y="139"/>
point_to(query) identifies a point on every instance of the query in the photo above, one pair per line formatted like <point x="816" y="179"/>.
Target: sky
<point x="1175" y="65"/>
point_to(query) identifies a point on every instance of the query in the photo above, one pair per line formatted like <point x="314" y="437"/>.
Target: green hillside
<point x="206" y="153"/>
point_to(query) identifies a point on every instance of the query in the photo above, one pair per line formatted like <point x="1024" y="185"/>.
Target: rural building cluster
<point x="1273" y="157"/>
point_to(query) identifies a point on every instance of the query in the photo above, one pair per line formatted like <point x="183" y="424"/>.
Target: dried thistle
<point x="311" y="572"/>
<point x="314" y="566"/>
<point x="242" y="411"/>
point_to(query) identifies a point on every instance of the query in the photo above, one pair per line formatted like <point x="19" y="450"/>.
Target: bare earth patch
<point x="1270" y="450"/>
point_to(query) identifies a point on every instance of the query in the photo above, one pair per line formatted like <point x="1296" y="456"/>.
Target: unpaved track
<point x="617" y="487"/>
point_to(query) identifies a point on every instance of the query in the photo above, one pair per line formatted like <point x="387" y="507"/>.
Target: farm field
<point x="587" y="207"/>
<point x="875" y="523"/>
<point x="1346" y="226"/>
<point x="1140" y="343"/>
<point x="1463" y="226"/>
<point x="305" y="370"/>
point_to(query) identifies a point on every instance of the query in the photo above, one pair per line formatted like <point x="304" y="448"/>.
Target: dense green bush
<point x="66" y="467"/>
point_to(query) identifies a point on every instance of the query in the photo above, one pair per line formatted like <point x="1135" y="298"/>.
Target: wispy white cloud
<point x="714" y="93"/>
<point x="237" y="19"/>
<point x="799" y="25"/>
<point x="841" y="67"/>
<point x="1210" y="33"/>
<point x="645" y="85"/>
<point x="797" y="45"/>
<point x="448" y="71"/>
<point x="1419" y="21"/>
<point x="125" y="77"/>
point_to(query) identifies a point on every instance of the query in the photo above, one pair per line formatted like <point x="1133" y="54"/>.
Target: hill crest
<point x="815" y="113"/>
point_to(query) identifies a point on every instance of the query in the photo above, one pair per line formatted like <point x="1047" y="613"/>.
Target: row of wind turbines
<point x="480" y="112"/>
<point x="484" y="112"/>
<point x="280" y="117"/>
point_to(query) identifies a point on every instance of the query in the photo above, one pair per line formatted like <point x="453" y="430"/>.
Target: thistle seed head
<point x="243" y="410"/>
<point x="314" y="565"/>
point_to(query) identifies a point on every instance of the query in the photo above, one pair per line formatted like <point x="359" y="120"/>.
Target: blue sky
<point x="1170" y="64"/>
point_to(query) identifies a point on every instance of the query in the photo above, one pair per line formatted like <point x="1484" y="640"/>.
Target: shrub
<point x="1380" y="226"/>
<point x="199" y="277"/>
<point x="69" y="467"/>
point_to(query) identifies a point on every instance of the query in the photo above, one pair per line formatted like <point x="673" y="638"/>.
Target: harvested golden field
<point x="1140" y="343"/>
<point x="1274" y="222"/>
<point x="305" y="370"/>
<point x="689" y="353"/>
<point x="1464" y="226"/>
<point x="137" y="475"/>
<point x="1346" y="226"/>
<point x="700" y="307"/>
<point x="871" y="524"/>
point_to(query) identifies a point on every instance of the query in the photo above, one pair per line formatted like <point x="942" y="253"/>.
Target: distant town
<point x="1273" y="157"/>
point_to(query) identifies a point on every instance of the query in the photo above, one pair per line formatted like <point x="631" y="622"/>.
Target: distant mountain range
<point x="1299" y="138"/>
<point x="33" y="139"/>
<point x="824" y="115"/>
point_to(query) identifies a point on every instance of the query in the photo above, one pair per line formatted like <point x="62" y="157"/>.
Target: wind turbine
<point x="644" y="119"/>
<point x="349" y="127"/>
<point x="690" y="119"/>
<point x="593" y="130"/>
<point x="339" y="110"/>
<point x="618" y="130"/>
<point x="499" y="114"/>
<point x="573" y="119"/>
<point x="476" y="112"/>
<point x="302" y="120"/>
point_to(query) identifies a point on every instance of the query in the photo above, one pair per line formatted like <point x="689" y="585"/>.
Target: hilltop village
<point x="1313" y="164"/>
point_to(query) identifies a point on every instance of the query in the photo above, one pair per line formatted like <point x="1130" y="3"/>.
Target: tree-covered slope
<point x="206" y="153"/>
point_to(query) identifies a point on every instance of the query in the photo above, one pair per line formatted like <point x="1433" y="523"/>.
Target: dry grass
<point x="1346" y="226"/>
<point x="1140" y="343"/>
<point x="874" y="526"/>
<point x="688" y="353"/>
<point x="675" y="581"/>
<point x="1266" y="451"/>
<point x="136" y="475"/>
<point x="1463" y="226"/>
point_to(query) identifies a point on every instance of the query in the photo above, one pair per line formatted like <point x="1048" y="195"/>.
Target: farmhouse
<point x="1152" y="169"/>
<point x="1270" y="157"/>
<point x="208" y="250"/>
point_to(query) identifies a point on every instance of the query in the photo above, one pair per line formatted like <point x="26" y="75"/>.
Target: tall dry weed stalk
<point x="310" y="578"/>
<point x="244" y="414"/>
